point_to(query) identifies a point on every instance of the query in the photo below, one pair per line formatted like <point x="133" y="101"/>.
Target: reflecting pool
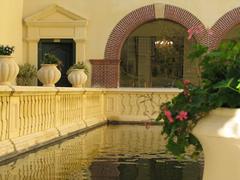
<point x="125" y="152"/>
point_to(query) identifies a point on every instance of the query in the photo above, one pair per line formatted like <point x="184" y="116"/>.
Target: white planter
<point x="219" y="134"/>
<point x="77" y="77"/>
<point x="8" y="70"/>
<point x="49" y="74"/>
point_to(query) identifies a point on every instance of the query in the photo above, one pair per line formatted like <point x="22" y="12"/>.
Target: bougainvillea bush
<point x="220" y="87"/>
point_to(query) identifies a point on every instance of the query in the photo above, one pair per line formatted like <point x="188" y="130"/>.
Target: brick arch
<point x="127" y="25"/>
<point x="106" y="72"/>
<point x="224" y="25"/>
<point x="143" y="15"/>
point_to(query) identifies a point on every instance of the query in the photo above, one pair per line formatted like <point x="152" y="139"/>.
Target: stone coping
<point x="160" y="90"/>
<point x="40" y="89"/>
<point x="5" y="89"/>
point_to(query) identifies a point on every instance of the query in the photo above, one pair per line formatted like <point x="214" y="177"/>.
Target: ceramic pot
<point x="49" y="74"/>
<point x="8" y="70"/>
<point x="219" y="134"/>
<point x="77" y="77"/>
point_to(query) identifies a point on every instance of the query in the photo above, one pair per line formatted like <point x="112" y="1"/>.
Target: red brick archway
<point x="106" y="71"/>
<point x="224" y="25"/>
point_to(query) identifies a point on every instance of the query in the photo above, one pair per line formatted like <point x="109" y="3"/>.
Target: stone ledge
<point x="143" y="90"/>
<point x="152" y="123"/>
<point x="65" y="130"/>
<point x="12" y="148"/>
<point x="25" y="142"/>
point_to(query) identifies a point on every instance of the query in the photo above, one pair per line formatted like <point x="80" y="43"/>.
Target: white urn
<point x="77" y="77"/>
<point x="49" y="74"/>
<point x="219" y="134"/>
<point x="8" y="70"/>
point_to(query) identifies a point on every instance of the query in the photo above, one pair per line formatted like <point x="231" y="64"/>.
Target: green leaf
<point x="223" y="84"/>
<point x="197" y="51"/>
<point x="238" y="86"/>
<point x="179" y="84"/>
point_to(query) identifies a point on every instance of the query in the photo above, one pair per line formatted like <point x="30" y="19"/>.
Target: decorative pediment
<point x="56" y="15"/>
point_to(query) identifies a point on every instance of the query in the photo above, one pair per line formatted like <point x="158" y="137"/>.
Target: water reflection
<point x="106" y="153"/>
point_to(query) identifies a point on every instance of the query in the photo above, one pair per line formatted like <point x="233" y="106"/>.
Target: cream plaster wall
<point x="105" y="14"/>
<point x="11" y="25"/>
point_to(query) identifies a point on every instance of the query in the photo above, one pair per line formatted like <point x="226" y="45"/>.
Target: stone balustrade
<point x="139" y="104"/>
<point x="34" y="116"/>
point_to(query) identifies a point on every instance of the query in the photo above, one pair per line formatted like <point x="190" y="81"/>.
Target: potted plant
<point x="49" y="74"/>
<point x="27" y="75"/>
<point x="77" y="74"/>
<point x="209" y="112"/>
<point x="8" y="67"/>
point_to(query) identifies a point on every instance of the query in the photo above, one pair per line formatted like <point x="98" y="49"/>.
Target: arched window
<point x="155" y="55"/>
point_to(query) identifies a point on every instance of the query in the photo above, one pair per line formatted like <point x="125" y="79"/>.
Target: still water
<point x="107" y="153"/>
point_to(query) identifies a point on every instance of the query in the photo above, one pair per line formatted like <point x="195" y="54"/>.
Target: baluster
<point x="77" y="108"/>
<point x="67" y="109"/>
<point x="35" y="113"/>
<point x="67" y="112"/>
<point x="3" y="113"/>
<point x="48" y="112"/>
<point x="29" y="113"/>
<point x="7" y="117"/>
<point x="73" y="108"/>
<point x="63" y="106"/>
<point x="78" y="114"/>
<point x="44" y="112"/>
<point x="63" y="109"/>
<point x="1" y="119"/>
<point x="38" y="113"/>
<point x="21" y="116"/>
<point x="70" y="105"/>
<point x="32" y="119"/>
<point x="24" y="115"/>
<point x="41" y="109"/>
<point x="60" y="108"/>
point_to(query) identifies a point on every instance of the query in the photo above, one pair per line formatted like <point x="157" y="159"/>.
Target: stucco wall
<point x="11" y="25"/>
<point x="105" y="14"/>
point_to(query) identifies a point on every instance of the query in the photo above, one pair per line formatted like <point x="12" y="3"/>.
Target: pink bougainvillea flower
<point x="186" y="92"/>
<point x="168" y="114"/>
<point x="190" y="32"/>
<point x="186" y="82"/>
<point x="195" y="30"/>
<point x="183" y="115"/>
